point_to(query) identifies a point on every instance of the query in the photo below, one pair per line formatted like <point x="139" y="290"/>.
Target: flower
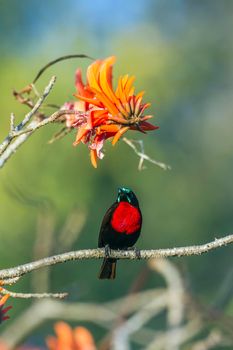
<point x="3" y="316"/>
<point x="67" y="338"/>
<point x="105" y="112"/>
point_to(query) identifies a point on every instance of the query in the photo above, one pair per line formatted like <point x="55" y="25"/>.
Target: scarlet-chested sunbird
<point x="120" y="228"/>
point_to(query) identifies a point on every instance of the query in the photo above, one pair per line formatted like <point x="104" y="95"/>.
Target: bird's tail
<point x="108" y="269"/>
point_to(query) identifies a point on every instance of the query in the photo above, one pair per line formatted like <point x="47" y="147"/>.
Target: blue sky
<point x="27" y="25"/>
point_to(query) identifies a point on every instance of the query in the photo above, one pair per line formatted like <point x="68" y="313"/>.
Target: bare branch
<point x="14" y="130"/>
<point x="7" y="149"/>
<point x="143" y="156"/>
<point x="20" y="133"/>
<point x="33" y="295"/>
<point x="9" y="281"/>
<point x="38" y="104"/>
<point x="59" y="59"/>
<point x="12" y="123"/>
<point x="119" y="254"/>
<point x="60" y="134"/>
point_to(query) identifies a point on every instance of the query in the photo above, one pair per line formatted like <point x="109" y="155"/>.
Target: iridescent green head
<point x="126" y="195"/>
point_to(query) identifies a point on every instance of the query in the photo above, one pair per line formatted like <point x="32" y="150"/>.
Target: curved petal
<point x="119" y="134"/>
<point x="82" y="132"/>
<point x="147" y="126"/>
<point x="93" y="155"/>
<point x="103" y="79"/>
<point x="93" y="73"/>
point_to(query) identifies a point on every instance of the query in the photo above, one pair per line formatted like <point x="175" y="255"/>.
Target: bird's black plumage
<point x="120" y="228"/>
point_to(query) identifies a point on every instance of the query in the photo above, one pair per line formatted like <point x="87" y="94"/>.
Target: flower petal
<point x="92" y="75"/>
<point x="4" y="299"/>
<point x="147" y="126"/>
<point x="119" y="134"/>
<point x="82" y="131"/>
<point x="93" y="155"/>
<point x="109" y="128"/>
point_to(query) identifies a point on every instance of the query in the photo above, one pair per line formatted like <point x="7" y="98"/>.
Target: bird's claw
<point x="107" y="251"/>
<point x="136" y="251"/>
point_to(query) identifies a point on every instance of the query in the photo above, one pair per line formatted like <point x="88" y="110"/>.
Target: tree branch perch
<point x="21" y="270"/>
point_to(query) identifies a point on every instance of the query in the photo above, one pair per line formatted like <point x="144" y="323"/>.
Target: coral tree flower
<point x="109" y="112"/>
<point x="3" y="311"/>
<point x="67" y="338"/>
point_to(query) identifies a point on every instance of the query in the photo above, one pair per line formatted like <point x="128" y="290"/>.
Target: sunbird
<point x="120" y="228"/>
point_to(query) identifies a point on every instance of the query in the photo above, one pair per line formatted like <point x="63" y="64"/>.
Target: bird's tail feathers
<point x="108" y="269"/>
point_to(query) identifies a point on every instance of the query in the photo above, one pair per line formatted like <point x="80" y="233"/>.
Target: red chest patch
<point x="126" y="218"/>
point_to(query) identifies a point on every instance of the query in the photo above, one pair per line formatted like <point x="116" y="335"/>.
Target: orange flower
<point x="3" y="316"/>
<point x="108" y="113"/>
<point x="70" y="339"/>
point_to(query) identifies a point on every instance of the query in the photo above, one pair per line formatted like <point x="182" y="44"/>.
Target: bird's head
<point x="126" y="195"/>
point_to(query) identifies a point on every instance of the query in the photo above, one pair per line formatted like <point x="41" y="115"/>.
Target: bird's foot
<point x="107" y="251"/>
<point x="136" y="251"/>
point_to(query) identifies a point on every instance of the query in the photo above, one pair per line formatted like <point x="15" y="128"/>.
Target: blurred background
<point x="181" y="52"/>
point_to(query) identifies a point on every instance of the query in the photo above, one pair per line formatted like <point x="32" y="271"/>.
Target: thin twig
<point x="37" y="105"/>
<point x="118" y="254"/>
<point x="43" y="122"/>
<point x="7" y="150"/>
<point x="41" y="71"/>
<point x="14" y="130"/>
<point x="12" y="123"/>
<point x="60" y="134"/>
<point x="143" y="156"/>
<point x="9" y="281"/>
<point x="33" y="295"/>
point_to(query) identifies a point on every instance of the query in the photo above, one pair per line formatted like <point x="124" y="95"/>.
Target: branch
<point x="118" y="254"/>
<point x="37" y="105"/>
<point x="20" y="133"/>
<point x="41" y="71"/>
<point x="7" y="149"/>
<point x="33" y="295"/>
<point x="14" y="131"/>
<point x="143" y="156"/>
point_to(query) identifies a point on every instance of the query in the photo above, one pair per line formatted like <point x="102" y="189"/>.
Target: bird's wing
<point x="106" y="223"/>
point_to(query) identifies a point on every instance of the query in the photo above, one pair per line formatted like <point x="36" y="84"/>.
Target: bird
<point x="120" y="229"/>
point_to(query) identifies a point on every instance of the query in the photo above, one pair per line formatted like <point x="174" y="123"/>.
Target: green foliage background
<point x="182" y="55"/>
